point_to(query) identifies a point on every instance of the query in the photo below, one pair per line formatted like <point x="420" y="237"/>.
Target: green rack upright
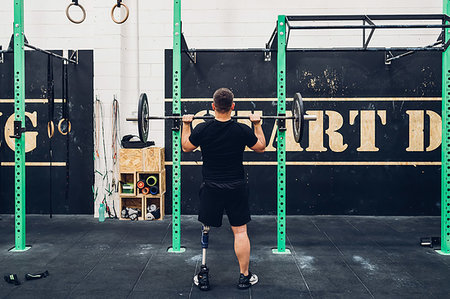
<point x="281" y="138"/>
<point x="19" y="124"/>
<point x="176" y="144"/>
<point x="445" y="163"/>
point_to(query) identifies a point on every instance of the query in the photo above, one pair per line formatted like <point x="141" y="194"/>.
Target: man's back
<point x="222" y="145"/>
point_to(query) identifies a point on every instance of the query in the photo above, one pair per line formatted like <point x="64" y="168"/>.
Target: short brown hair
<point x="223" y="99"/>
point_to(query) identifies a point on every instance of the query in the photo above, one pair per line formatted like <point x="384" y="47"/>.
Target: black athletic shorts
<point x="217" y="197"/>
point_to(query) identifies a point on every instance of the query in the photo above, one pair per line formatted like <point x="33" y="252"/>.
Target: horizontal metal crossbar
<point x="367" y="24"/>
<point x="411" y="26"/>
<point x="261" y="50"/>
<point x="375" y="49"/>
<point x="412" y="17"/>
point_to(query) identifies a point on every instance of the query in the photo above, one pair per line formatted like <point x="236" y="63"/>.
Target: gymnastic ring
<point x="126" y="16"/>
<point x="145" y="190"/>
<point x="69" y="126"/>
<point x="50" y="129"/>
<point x="82" y="10"/>
<point x="153" y="182"/>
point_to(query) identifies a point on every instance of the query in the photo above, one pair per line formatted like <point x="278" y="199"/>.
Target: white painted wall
<point x="129" y="58"/>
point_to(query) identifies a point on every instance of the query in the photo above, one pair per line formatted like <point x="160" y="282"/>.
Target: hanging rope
<point x="115" y="129"/>
<point x="96" y="154"/>
<point x="99" y="135"/>
<point x="97" y="119"/>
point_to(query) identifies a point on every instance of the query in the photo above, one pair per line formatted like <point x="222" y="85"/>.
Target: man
<point x="222" y="143"/>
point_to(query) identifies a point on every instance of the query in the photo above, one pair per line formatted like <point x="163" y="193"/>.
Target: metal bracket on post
<point x="191" y="53"/>
<point x="388" y="57"/>
<point x="267" y="56"/>
<point x="176" y="125"/>
<point x="74" y="56"/>
<point x="11" y="43"/>
<point x="281" y="122"/>
<point x="271" y="45"/>
<point x="367" y="41"/>
<point x="18" y="130"/>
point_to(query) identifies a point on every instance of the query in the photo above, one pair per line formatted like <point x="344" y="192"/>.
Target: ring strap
<point x="50" y="97"/>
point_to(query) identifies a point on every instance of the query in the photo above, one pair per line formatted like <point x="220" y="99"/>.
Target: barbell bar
<point x="174" y="117"/>
<point x="298" y="117"/>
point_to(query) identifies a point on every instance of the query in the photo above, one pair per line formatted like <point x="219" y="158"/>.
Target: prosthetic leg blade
<point x="202" y="279"/>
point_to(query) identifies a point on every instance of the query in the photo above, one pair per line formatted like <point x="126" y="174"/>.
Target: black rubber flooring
<point x="332" y="257"/>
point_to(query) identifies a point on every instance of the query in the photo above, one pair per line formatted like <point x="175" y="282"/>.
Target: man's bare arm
<point x="260" y="145"/>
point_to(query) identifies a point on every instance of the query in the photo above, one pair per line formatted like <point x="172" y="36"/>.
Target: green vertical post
<point x="176" y="144"/>
<point x="19" y="116"/>
<point x="281" y="140"/>
<point x="445" y="163"/>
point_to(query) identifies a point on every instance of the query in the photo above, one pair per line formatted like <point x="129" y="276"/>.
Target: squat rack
<point x="278" y="43"/>
<point x="19" y="41"/>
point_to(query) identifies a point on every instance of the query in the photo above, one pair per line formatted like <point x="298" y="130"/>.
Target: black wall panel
<point x="80" y="140"/>
<point x="347" y="85"/>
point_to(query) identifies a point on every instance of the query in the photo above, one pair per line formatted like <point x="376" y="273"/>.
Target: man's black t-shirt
<point x="222" y="145"/>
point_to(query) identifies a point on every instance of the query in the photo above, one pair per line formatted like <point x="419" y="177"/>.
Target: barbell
<point x="298" y="117"/>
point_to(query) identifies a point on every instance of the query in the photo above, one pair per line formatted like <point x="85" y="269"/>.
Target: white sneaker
<point x="247" y="281"/>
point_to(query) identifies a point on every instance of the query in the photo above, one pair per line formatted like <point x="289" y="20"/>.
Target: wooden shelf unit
<point x="160" y="182"/>
<point x="127" y="178"/>
<point x="133" y="203"/>
<point x="138" y="164"/>
<point x="158" y="201"/>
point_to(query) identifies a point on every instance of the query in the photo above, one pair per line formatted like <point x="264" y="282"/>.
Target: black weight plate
<point x="298" y="113"/>
<point x="143" y="122"/>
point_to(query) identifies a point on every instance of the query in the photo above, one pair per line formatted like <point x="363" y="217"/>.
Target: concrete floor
<point x="332" y="257"/>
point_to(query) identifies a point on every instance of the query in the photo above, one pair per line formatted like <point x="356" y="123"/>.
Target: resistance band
<point x="65" y="102"/>
<point x="50" y="125"/>
<point x="152" y="180"/>
<point x="65" y="91"/>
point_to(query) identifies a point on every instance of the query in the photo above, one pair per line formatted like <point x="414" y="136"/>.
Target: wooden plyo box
<point x="141" y="159"/>
<point x="158" y="201"/>
<point x="161" y="184"/>
<point x="134" y="203"/>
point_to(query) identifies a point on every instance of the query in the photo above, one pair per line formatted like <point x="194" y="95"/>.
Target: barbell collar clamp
<point x="18" y="130"/>
<point x="281" y="122"/>
<point x="310" y="117"/>
<point x="176" y="122"/>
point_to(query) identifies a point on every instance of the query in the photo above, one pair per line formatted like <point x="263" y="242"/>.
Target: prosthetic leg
<point x="201" y="279"/>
